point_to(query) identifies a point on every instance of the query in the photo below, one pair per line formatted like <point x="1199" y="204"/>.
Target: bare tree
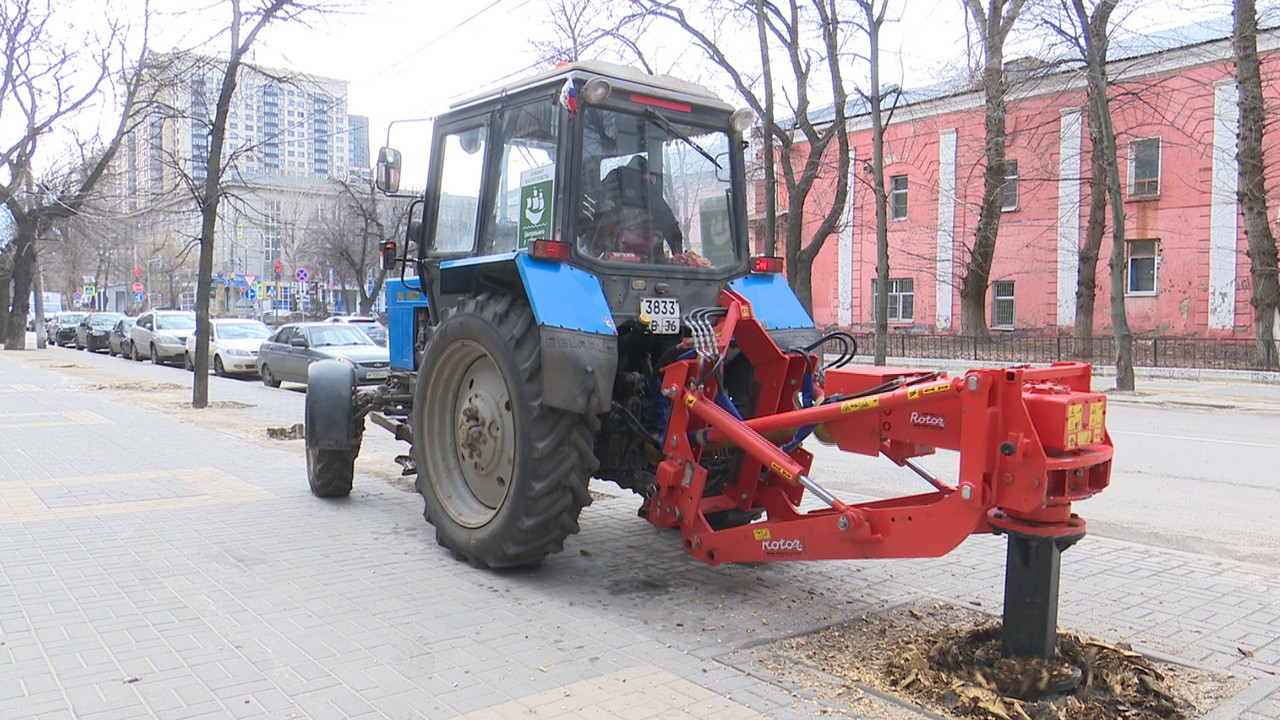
<point x="350" y="243"/>
<point x="45" y="81"/>
<point x="1086" y="29"/>
<point x="584" y="29"/>
<point x="873" y="20"/>
<point x="993" y="23"/>
<point x="815" y="144"/>
<point x="243" y="31"/>
<point x="1251" y="160"/>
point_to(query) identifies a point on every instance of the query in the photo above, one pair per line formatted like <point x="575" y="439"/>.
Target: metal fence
<point x="1163" y="352"/>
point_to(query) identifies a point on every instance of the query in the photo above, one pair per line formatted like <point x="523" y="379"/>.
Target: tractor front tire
<point x="503" y="477"/>
<point x="331" y="473"/>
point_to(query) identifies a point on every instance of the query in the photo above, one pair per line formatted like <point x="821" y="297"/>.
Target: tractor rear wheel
<point x="503" y="476"/>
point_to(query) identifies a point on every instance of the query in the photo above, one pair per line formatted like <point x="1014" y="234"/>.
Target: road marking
<point x="20" y="388"/>
<point x="20" y="501"/>
<point x="54" y="419"/>
<point x="1244" y="443"/>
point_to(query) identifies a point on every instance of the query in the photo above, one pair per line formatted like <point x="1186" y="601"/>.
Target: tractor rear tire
<point x="503" y="477"/>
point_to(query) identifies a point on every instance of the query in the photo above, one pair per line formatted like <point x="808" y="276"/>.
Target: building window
<point x="1144" y="167"/>
<point x="1010" y="198"/>
<point x="898" y="197"/>
<point x="901" y="300"/>
<point x="1142" y="267"/>
<point x="1002" y="304"/>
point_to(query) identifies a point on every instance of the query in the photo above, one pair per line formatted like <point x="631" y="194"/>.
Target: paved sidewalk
<point x="153" y="567"/>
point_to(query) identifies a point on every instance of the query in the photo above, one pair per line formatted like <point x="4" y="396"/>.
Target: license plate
<point x="663" y="314"/>
<point x="376" y="374"/>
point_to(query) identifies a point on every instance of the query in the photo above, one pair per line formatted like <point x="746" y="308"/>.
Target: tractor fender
<point x="330" y="406"/>
<point x="776" y="306"/>
<point x="578" y="338"/>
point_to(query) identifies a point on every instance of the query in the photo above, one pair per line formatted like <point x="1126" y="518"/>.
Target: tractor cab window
<point x="654" y="190"/>
<point x="520" y="196"/>
<point x="461" y="167"/>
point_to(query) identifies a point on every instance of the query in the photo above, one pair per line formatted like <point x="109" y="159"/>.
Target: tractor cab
<point x="635" y="179"/>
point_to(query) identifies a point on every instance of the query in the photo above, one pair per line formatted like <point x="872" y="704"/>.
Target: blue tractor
<point x="576" y="300"/>
<point x="571" y="222"/>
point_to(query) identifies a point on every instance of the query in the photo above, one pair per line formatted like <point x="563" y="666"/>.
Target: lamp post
<point x="150" y="287"/>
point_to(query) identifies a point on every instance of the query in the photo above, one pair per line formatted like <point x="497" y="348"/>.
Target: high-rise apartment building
<point x="289" y="144"/>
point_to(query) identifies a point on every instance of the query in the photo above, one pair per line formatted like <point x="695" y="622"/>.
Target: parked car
<point x="93" y="331"/>
<point x="233" y="346"/>
<point x="61" y="328"/>
<point x="376" y="331"/>
<point x="161" y="335"/>
<point x="288" y="354"/>
<point x="118" y="339"/>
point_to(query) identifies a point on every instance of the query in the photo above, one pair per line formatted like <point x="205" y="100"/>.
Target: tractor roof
<point x="621" y="75"/>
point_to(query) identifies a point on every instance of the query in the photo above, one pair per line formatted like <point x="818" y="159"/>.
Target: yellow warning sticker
<point x="1073" y="424"/>
<point x="1084" y="437"/>
<point x="690" y="400"/>
<point x="781" y="471"/>
<point x="1097" y="411"/>
<point x="746" y="314"/>
<point x="916" y="393"/>
<point x="762" y="534"/>
<point x="857" y="404"/>
<point x="1075" y="412"/>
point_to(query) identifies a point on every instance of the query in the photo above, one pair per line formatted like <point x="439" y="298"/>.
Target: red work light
<point x="766" y="264"/>
<point x="551" y="250"/>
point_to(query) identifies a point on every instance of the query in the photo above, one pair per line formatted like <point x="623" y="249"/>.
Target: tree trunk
<point x="993" y="23"/>
<point x="881" y="297"/>
<point x="770" y="176"/>
<point x="1095" y="229"/>
<point x="1252" y="191"/>
<point x="1119" y="319"/>
<point x="24" y="254"/>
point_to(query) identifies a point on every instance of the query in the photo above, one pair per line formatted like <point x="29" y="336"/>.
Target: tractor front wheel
<point x="503" y="477"/>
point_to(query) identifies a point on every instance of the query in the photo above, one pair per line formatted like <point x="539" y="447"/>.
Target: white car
<point x="376" y="331"/>
<point x="233" y="346"/>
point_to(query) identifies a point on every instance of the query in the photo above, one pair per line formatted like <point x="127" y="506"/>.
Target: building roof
<point x="1122" y="48"/>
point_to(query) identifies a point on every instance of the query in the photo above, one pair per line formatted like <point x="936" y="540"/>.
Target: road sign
<point x="90" y="291"/>
<point x="301" y="274"/>
<point x="137" y="288"/>
<point x="249" y="280"/>
<point x="139" y="297"/>
<point x="78" y="297"/>
<point x="271" y="291"/>
<point x="250" y="293"/>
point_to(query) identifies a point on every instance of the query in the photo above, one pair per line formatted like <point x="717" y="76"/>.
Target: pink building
<point x="1175" y="117"/>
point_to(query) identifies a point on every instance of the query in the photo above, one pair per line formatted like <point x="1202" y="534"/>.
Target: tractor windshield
<point x="655" y="190"/>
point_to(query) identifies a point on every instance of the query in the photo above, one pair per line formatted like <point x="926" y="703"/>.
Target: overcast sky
<point x="411" y="58"/>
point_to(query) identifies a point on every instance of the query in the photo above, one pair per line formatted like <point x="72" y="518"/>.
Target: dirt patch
<point x="947" y="659"/>
<point x="134" y="387"/>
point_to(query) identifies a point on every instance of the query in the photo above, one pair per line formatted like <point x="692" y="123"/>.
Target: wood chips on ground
<point x="947" y="659"/>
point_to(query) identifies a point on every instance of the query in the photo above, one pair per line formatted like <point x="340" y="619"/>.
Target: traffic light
<point x="137" y="273"/>
<point x="279" y="270"/>
<point x="388" y="254"/>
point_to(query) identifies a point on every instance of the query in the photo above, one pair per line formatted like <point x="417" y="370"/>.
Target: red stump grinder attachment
<point x="1030" y="440"/>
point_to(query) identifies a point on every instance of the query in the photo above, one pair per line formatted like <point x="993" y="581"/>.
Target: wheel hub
<point x="483" y="440"/>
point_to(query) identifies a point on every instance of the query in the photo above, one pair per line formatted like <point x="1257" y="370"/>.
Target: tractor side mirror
<point x="388" y="171"/>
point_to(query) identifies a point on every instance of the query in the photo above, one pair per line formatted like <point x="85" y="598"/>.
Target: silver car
<point x="233" y="346"/>
<point x="288" y="354"/>
<point x="161" y="335"/>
